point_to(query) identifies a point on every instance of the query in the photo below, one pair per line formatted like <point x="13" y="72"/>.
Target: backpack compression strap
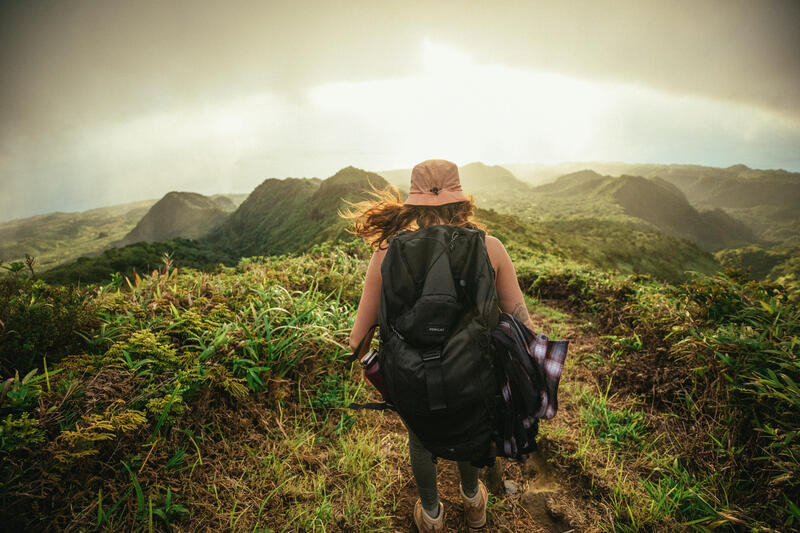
<point x="434" y="379"/>
<point x="371" y="406"/>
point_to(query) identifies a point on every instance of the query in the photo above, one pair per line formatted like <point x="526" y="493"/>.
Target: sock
<point x="471" y="495"/>
<point x="435" y="513"/>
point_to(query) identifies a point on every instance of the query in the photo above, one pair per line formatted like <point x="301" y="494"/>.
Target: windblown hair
<point x="377" y="220"/>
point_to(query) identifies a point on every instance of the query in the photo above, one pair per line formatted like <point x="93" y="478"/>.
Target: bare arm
<point x="367" y="314"/>
<point x="509" y="294"/>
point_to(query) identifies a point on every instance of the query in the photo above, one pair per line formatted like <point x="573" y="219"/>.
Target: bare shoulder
<point x="380" y="252"/>
<point x="378" y="255"/>
<point x="494" y="242"/>
<point x="497" y="252"/>
<point x="495" y="247"/>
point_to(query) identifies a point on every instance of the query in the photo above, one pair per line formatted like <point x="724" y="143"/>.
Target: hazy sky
<point x="106" y="102"/>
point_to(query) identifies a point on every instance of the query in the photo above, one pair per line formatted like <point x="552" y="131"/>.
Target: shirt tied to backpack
<point x="549" y="356"/>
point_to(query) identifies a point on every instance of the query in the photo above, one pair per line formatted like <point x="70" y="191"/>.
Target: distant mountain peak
<point x="353" y="176"/>
<point x="481" y="164"/>
<point x="284" y="216"/>
<point x="177" y="214"/>
<point x="586" y="173"/>
<point x="581" y="181"/>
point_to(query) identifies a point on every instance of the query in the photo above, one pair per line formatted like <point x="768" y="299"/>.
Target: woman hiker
<point x="435" y="197"/>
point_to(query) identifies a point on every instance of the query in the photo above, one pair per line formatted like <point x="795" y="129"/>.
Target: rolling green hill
<point x="179" y="214"/>
<point x="490" y="185"/>
<point x="767" y="201"/>
<point x="590" y="195"/>
<point x="280" y="216"/>
<point x="57" y="238"/>
<point x="664" y="206"/>
<point x="656" y="202"/>
<point x="141" y="257"/>
<point x="619" y="246"/>
<point x="290" y="215"/>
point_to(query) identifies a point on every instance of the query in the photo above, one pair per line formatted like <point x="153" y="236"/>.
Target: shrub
<point x="39" y="320"/>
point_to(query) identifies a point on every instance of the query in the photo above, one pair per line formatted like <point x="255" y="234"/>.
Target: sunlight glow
<point x="473" y="111"/>
<point x="452" y="107"/>
<point x="441" y="59"/>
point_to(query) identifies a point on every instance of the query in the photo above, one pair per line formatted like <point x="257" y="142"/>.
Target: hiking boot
<point x="424" y="522"/>
<point x="475" y="507"/>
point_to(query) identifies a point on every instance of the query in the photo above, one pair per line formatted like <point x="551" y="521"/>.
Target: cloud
<point x="111" y="102"/>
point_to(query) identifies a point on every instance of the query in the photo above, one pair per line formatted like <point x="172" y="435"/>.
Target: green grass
<point x="620" y="428"/>
<point x="201" y="400"/>
<point x="161" y="347"/>
<point x="556" y="326"/>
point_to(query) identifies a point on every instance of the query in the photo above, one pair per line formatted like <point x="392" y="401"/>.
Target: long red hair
<point x="386" y="215"/>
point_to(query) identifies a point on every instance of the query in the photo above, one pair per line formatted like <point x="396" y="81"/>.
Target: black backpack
<point x="437" y="313"/>
<point x="471" y="382"/>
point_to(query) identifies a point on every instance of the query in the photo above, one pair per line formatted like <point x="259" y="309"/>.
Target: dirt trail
<point x="540" y="496"/>
<point x="548" y="496"/>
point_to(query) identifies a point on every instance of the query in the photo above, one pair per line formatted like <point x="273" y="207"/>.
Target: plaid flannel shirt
<point x="549" y="357"/>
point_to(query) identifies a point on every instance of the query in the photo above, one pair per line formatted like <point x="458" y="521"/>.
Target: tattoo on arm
<point x="521" y="313"/>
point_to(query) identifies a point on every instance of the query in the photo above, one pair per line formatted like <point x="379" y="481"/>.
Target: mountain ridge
<point x="178" y="214"/>
<point x="289" y="215"/>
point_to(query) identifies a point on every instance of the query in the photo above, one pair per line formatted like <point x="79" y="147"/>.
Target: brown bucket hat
<point x="435" y="182"/>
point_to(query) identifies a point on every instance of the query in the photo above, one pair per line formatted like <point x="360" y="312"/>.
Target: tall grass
<point x="716" y="358"/>
<point x="161" y="354"/>
<point x="214" y="400"/>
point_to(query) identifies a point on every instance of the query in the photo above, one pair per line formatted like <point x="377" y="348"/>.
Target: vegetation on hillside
<point x="291" y="215"/>
<point x="196" y="384"/>
<point x="288" y="216"/>
<point x="655" y="202"/>
<point x="693" y="393"/>
<point x="57" y="238"/>
<point x="141" y="257"/>
<point x="193" y="400"/>
<point x="737" y="186"/>
<point x="780" y="264"/>
<point x="620" y="246"/>
<point x="179" y="214"/>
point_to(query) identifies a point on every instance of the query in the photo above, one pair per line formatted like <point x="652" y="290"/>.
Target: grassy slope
<point x="179" y="214"/>
<point x="215" y="401"/>
<point x="57" y="238"/>
<point x="284" y="216"/>
<point x="608" y="244"/>
<point x="580" y="216"/>
<point x="139" y="257"/>
<point x="279" y="216"/>
<point x="778" y="264"/>
<point x="654" y="202"/>
<point x="765" y="200"/>
<point x="259" y="226"/>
